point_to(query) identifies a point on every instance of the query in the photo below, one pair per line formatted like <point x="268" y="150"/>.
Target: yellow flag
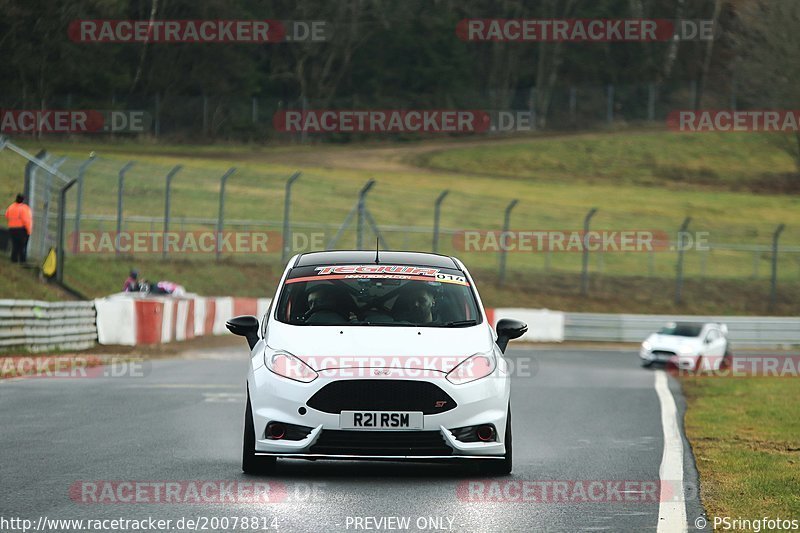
<point x="49" y="265"/>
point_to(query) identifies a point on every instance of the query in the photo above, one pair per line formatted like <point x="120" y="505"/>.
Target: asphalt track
<point x="580" y="416"/>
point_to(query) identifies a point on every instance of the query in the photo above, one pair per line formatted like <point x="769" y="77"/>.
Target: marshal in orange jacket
<point x="19" y="216"/>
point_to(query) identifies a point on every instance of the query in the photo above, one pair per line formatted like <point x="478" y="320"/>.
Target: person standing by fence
<point x="19" y="220"/>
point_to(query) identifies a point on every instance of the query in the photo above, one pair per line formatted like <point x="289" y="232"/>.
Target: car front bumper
<point x="277" y="399"/>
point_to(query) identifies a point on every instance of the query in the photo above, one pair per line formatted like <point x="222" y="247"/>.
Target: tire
<point x="503" y="466"/>
<point x="646" y="363"/>
<point x="727" y="358"/>
<point x="698" y="366"/>
<point x="251" y="463"/>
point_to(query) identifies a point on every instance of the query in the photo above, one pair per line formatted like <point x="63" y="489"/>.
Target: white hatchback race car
<point x="688" y="346"/>
<point x="378" y="356"/>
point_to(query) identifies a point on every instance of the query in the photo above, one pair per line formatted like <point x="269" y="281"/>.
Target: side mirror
<point x="245" y="326"/>
<point x="507" y="329"/>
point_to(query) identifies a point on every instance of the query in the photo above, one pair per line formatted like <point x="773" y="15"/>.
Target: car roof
<point x="364" y="257"/>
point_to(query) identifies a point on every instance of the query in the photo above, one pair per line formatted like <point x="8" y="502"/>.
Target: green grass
<point x="718" y="160"/>
<point x="555" y="179"/>
<point x="745" y="435"/>
<point x="18" y="282"/>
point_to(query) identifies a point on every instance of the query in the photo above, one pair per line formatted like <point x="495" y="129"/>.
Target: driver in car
<point x="325" y="303"/>
<point x="417" y="305"/>
<point x="319" y="297"/>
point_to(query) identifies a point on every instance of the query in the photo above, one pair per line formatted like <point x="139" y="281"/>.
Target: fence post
<point x="46" y="207"/>
<point x="157" y="118"/>
<point x="362" y="199"/>
<point x="506" y="225"/>
<point x="774" y="285"/>
<point x="205" y="115"/>
<point x="437" y="211"/>
<point x="170" y="175"/>
<point x="679" y="267"/>
<point x="651" y="102"/>
<point x="30" y="174"/>
<point x="120" y="190"/>
<point x="61" y="223"/>
<point x="573" y="106"/>
<point x="79" y="201"/>
<point x="287" y="202"/>
<point x="221" y="215"/>
<point x="585" y="264"/>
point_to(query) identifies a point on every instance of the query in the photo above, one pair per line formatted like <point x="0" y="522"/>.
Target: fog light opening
<point x="276" y="430"/>
<point x="485" y="433"/>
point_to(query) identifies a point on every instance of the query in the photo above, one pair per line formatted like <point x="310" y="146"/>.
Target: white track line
<point x="671" y="513"/>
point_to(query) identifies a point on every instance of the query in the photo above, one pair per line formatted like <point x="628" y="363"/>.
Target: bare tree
<point x="550" y="57"/>
<point x="767" y="44"/>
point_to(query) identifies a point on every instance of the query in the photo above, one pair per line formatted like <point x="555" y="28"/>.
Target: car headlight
<point x="472" y="368"/>
<point x="646" y="346"/>
<point x="288" y="366"/>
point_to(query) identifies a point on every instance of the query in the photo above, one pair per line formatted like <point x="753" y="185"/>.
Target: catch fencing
<point x="319" y="210"/>
<point x="36" y="326"/>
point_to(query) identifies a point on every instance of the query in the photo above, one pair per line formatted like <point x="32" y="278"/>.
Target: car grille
<point x="341" y="442"/>
<point x="663" y="353"/>
<point x="381" y="395"/>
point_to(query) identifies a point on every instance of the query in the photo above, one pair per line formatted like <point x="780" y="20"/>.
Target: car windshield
<point x="681" y="330"/>
<point x="377" y="295"/>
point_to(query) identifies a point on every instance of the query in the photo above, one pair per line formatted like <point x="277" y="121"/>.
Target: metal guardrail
<point x="37" y="326"/>
<point x="742" y="330"/>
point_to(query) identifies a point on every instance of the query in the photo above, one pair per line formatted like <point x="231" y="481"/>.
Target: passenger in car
<point x="417" y="305"/>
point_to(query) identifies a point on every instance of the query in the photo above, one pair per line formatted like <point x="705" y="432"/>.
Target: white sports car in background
<point x="689" y="346"/>
<point x="381" y="356"/>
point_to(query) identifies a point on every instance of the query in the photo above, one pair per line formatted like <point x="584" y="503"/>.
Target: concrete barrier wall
<point x="132" y="319"/>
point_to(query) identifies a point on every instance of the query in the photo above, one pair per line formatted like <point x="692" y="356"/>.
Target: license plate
<point x="380" y="420"/>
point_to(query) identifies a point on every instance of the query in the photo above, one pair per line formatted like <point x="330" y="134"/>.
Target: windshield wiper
<point x="459" y="323"/>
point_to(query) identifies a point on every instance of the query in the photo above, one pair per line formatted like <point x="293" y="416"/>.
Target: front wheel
<point x="251" y="463"/>
<point x="502" y="467"/>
